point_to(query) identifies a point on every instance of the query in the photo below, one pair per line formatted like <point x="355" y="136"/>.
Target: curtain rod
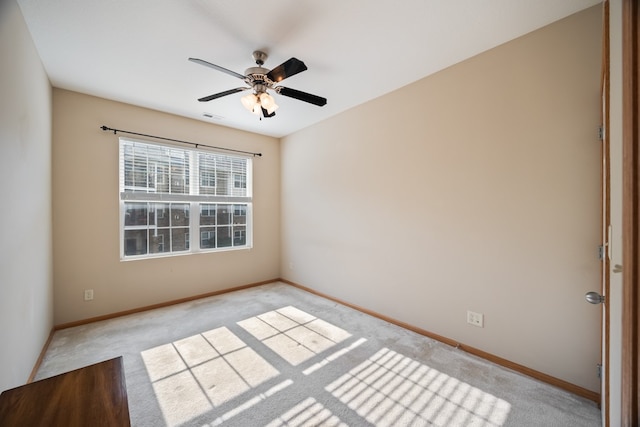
<point x="105" y="128"/>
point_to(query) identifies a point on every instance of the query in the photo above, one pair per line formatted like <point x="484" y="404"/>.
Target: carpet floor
<point x="275" y="355"/>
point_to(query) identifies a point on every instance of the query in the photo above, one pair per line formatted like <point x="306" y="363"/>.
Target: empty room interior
<point x="462" y="199"/>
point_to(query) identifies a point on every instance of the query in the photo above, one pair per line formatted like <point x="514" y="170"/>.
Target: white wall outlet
<point x="88" y="294"/>
<point x="475" y="319"/>
<point x="291" y="266"/>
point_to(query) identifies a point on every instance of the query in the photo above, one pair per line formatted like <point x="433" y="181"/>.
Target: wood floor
<point x="95" y="396"/>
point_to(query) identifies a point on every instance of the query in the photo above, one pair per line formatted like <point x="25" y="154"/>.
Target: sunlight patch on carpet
<point x="310" y="413"/>
<point x="193" y="375"/>
<point x="389" y="389"/>
<point x="293" y="334"/>
<point x="311" y="369"/>
<point x="249" y="403"/>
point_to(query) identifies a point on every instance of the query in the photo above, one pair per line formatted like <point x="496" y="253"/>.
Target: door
<point x="606" y="227"/>
<point x="603" y="298"/>
<point x="612" y="214"/>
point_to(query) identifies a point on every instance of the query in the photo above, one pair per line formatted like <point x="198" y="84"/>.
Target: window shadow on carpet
<point x="218" y="377"/>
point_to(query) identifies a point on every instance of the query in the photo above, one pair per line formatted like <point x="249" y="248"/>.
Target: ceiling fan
<point x="260" y="80"/>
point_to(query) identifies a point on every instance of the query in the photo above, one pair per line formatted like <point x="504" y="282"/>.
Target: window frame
<point x="188" y="178"/>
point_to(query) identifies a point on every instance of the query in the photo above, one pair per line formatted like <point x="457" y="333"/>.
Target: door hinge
<point x="601" y="133"/>
<point x="599" y="367"/>
<point x="601" y="252"/>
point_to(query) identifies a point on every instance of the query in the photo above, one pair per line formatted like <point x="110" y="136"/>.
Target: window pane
<point x="239" y="214"/>
<point x="135" y="168"/>
<point x="162" y="177"/>
<point x="135" y="242"/>
<point x="162" y="214"/>
<point x="179" y="214"/>
<point x="154" y="169"/>
<point x="151" y="211"/>
<point x="179" y="172"/>
<point x="207" y="237"/>
<point x="223" y="169"/>
<point x="224" y="237"/>
<point x="223" y="182"/>
<point x="165" y="228"/>
<point x="140" y="172"/>
<point x="239" y="171"/>
<point x="135" y="214"/>
<point x="239" y="236"/>
<point x="224" y="214"/>
<point x="222" y="175"/>
<point x="207" y="214"/>
<point x="207" y="165"/>
<point x="159" y="240"/>
<point x="179" y="239"/>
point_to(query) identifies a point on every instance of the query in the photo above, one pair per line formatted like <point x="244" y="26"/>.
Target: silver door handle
<point x="617" y="268"/>
<point x="594" y="297"/>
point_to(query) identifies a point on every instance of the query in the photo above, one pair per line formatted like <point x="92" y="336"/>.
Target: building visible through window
<point x="169" y="193"/>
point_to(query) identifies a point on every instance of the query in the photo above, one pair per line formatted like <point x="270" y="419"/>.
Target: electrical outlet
<point x="475" y="319"/>
<point x="88" y="294"/>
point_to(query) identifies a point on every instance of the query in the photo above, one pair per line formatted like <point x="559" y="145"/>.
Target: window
<point x="178" y="201"/>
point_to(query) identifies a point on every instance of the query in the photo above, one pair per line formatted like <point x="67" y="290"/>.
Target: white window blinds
<point x="158" y="172"/>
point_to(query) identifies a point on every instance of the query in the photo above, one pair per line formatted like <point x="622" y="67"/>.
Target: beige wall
<point x="473" y="189"/>
<point x="26" y="302"/>
<point x="86" y="222"/>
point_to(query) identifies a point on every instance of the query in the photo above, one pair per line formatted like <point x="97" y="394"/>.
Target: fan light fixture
<point x="261" y="79"/>
<point x="256" y="102"/>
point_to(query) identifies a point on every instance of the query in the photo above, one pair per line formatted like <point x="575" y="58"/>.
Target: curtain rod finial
<point x="103" y="127"/>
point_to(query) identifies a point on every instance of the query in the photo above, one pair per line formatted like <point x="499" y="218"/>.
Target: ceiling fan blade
<point x="288" y="68"/>
<point x="217" y="67"/>
<point x="265" y="113"/>
<point x="221" y="94"/>
<point x="302" y="96"/>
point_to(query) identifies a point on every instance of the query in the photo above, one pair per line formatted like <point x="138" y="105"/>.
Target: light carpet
<point x="275" y="355"/>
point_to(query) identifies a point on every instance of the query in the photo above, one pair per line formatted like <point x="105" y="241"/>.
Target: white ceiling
<point x="136" y="51"/>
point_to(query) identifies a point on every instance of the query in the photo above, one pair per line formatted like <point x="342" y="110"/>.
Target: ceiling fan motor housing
<point x="259" y="57"/>
<point x="253" y="71"/>
<point x="258" y="79"/>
